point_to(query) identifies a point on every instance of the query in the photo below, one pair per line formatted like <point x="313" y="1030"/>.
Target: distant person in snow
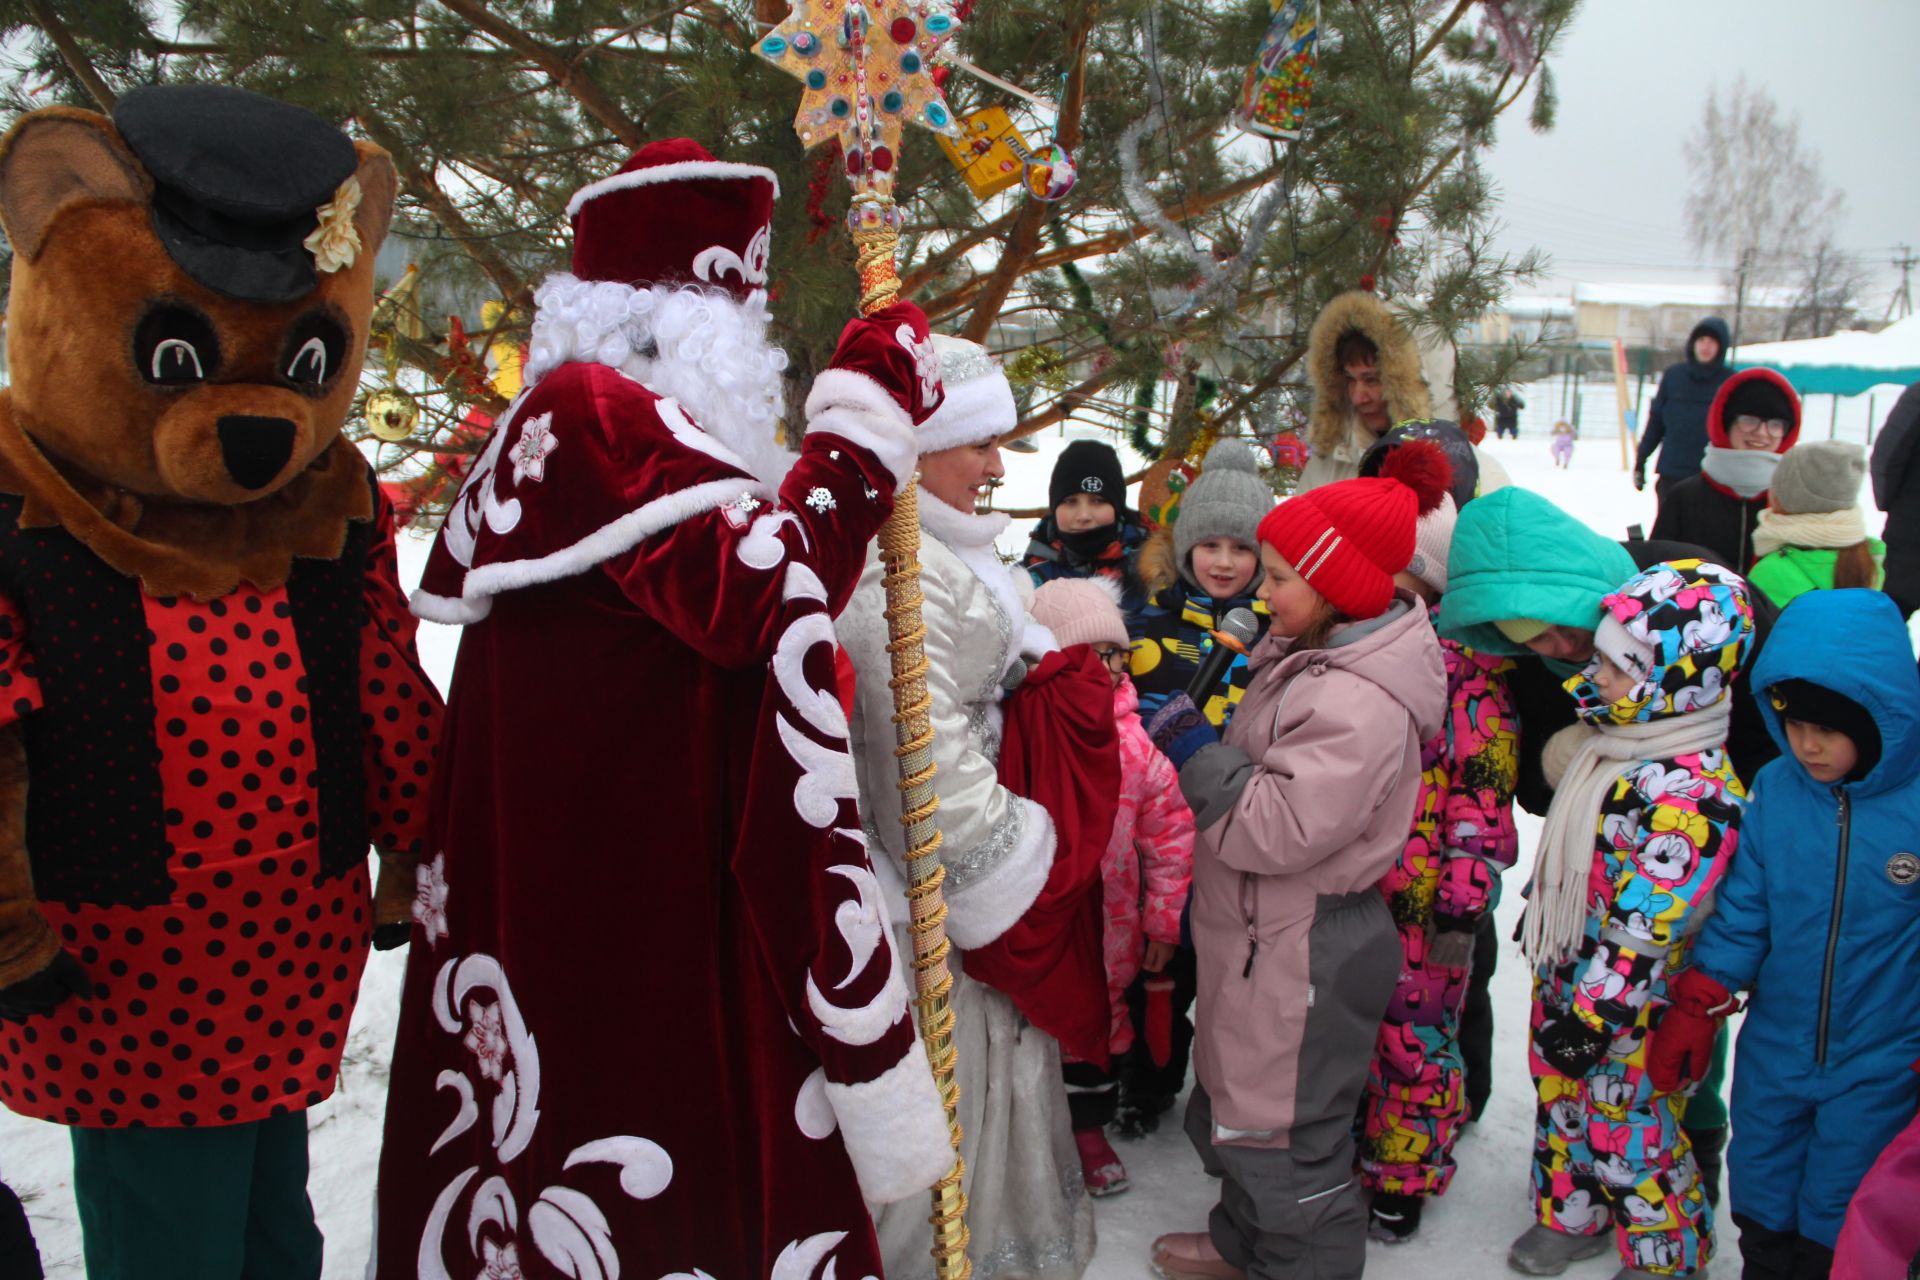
<point x="1754" y="420"/>
<point x="1677" y="419"/>
<point x="1896" y="490"/>
<point x="1507" y="405"/>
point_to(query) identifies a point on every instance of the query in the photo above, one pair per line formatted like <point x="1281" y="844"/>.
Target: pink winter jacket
<point x="1308" y="799"/>
<point x="1152" y="840"/>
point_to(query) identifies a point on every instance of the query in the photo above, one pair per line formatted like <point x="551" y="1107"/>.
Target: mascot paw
<point x="45" y="989"/>
<point x="391" y="937"/>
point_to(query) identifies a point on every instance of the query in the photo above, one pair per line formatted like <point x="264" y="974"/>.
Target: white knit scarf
<point x="1830" y="529"/>
<point x="1557" y="906"/>
<point x="1747" y="472"/>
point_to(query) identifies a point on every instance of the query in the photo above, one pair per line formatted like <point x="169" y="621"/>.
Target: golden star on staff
<point x="866" y="66"/>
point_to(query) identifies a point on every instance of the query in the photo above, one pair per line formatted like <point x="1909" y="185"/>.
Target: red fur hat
<point x="1349" y="539"/>
<point x="673" y="214"/>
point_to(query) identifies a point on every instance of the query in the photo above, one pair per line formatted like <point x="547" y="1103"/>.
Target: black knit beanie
<point x="1812" y="703"/>
<point x="1087" y="466"/>
<point x="1759" y="397"/>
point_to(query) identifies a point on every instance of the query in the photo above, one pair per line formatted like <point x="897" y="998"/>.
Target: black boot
<point x="1393" y="1218"/>
<point x="1768" y="1254"/>
<point x="1708" y="1146"/>
<point x="1812" y="1261"/>
<point x="18" y="1255"/>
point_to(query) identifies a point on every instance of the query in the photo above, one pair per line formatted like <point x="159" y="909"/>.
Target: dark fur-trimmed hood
<point x="1400" y="373"/>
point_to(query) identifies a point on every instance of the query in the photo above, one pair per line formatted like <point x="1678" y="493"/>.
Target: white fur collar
<point x="971" y="537"/>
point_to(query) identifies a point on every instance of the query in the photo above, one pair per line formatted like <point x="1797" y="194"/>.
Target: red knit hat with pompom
<point x="1349" y="539"/>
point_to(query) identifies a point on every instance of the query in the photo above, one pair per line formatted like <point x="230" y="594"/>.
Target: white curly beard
<point x="697" y="346"/>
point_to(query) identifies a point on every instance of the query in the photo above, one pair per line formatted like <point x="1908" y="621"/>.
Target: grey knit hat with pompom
<point x="1819" y="476"/>
<point x="1226" y="500"/>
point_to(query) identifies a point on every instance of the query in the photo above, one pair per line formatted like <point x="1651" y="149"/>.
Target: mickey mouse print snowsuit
<point x="1463" y="838"/>
<point x="1608" y="1148"/>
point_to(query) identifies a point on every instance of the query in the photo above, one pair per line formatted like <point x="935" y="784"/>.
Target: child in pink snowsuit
<point x="1562" y="445"/>
<point x="1152" y="843"/>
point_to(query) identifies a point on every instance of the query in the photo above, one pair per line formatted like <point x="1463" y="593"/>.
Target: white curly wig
<point x="697" y="346"/>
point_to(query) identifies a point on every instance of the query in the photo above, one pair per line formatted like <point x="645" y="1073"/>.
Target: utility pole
<point x="1902" y="300"/>
<point x="1739" y="298"/>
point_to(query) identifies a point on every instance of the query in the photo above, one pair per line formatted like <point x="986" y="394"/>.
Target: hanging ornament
<point x="1279" y="84"/>
<point x="1161" y="489"/>
<point x="985" y="154"/>
<point x="391" y="413"/>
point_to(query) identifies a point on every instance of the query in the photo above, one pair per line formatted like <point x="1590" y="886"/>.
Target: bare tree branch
<point x="71" y="53"/>
<point x="573" y="80"/>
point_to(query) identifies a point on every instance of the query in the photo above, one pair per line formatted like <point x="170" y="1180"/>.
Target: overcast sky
<point x="1603" y="192"/>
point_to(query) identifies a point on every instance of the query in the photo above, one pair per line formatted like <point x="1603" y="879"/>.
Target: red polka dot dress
<point x="217" y="894"/>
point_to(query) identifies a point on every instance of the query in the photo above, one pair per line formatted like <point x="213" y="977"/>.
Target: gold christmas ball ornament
<point x="391" y="414"/>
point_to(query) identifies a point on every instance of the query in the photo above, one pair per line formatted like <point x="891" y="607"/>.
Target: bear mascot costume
<point x="210" y="703"/>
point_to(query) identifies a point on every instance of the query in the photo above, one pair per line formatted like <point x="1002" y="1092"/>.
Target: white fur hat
<point x="979" y="401"/>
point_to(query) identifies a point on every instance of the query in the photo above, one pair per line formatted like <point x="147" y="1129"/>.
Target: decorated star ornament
<point x="866" y="67"/>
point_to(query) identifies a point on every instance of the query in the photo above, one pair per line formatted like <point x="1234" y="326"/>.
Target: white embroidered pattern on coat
<point x="430" y="897"/>
<point x="530" y="452"/>
<point x="926" y="361"/>
<point x="820" y="498"/>
<point x="477" y="501"/>
<point x="566" y="1225"/>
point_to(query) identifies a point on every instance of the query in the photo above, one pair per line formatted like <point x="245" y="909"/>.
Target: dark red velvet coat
<point x="652" y="975"/>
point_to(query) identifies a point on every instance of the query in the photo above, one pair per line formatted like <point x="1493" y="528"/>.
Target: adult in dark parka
<point x="1677" y="419"/>
<point x="1896" y="490"/>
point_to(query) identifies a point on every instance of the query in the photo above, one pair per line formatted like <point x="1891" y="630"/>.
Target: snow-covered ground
<point x="1464" y="1236"/>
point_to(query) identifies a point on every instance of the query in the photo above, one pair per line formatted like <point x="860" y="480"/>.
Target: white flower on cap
<point x="979" y="400"/>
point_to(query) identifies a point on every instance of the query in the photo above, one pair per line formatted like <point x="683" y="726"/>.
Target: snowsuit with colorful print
<point x="1446" y="879"/>
<point x="1608" y="1148"/>
<point x="1148" y="865"/>
<point x="1820" y="920"/>
<point x="1171" y="637"/>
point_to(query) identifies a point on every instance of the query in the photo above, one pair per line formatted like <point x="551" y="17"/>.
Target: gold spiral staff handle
<point x="875" y="235"/>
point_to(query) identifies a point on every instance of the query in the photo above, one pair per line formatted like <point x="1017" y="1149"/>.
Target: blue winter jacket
<point x="1820" y="916"/>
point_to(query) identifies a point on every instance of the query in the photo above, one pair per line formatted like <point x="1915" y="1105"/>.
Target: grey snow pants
<point x="1297" y="1212"/>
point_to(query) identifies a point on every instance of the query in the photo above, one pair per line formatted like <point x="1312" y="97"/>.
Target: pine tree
<point x="1170" y="293"/>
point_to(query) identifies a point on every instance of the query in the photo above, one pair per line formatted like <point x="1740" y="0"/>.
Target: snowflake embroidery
<point x="487" y="1038"/>
<point x="821" y="500"/>
<point x="530" y="453"/>
<point x="870" y="491"/>
<point x="746" y="504"/>
<point x="430" y="897"/>
<point x="503" y="1261"/>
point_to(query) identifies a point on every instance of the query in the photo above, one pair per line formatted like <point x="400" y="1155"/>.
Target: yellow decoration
<point x="503" y="354"/>
<point x="991" y="154"/>
<point x="391" y="413"/>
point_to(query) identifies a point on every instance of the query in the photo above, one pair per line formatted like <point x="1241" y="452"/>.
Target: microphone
<point x="1237" y="631"/>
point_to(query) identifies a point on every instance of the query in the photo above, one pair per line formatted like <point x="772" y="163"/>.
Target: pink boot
<point x="1190" y="1255"/>
<point x="1104" y="1174"/>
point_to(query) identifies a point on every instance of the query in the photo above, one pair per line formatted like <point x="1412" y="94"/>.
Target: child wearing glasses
<point x="1754" y="420"/>
<point x="1151" y="849"/>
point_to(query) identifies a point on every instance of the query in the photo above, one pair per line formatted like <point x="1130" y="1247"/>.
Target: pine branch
<point x="71" y="53"/>
<point x="570" y="79"/>
<point x="421" y="186"/>
<point x="1441" y="32"/>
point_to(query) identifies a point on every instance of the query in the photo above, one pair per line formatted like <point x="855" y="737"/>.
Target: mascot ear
<point x="61" y="156"/>
<point x="377" y="189"/>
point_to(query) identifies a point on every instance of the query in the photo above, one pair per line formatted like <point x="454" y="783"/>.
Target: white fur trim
<point x="975" y="410"/>
<point x="970" y="536"/>
<point x="684" y="171"/>
<point x="447" y="610"/>
<point x="629" y="531"/>
<point x="895" y="1129"/>
<point x="851" y="405"/>
<point x="993" y="903"/>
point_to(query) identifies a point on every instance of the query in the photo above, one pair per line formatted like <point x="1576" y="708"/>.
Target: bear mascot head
<point x="208" y="681"/>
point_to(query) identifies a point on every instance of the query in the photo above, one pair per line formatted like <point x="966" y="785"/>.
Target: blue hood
<point x="1855" y="643"/>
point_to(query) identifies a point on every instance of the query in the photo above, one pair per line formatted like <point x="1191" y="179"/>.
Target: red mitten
<point x="893" y="347"/>
<point x="1680" y="1046"/>
<point x="1160" y="1019"/>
